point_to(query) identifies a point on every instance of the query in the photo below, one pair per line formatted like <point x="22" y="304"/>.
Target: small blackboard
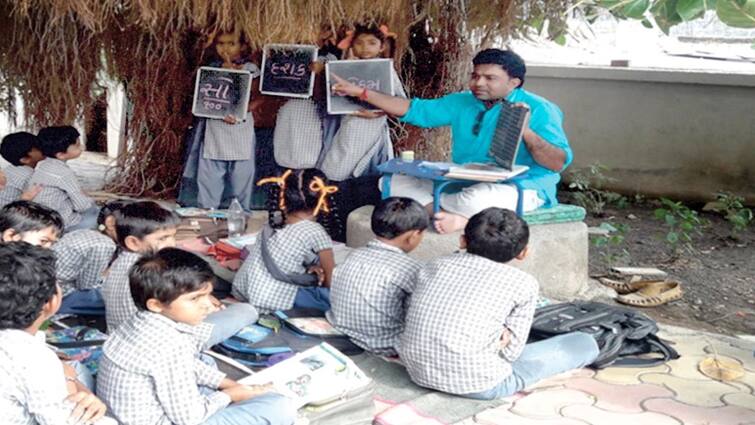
<point x="286" y="70"/>
<point x="372" y="74"/>
<point x="219" y="92"/>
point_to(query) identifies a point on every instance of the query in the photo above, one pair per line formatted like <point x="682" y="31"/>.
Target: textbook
<point x="484" y="172"/>
<point x="315" y="377"/>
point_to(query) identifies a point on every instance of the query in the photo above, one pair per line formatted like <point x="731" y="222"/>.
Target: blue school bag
<point x="80" y="343"/>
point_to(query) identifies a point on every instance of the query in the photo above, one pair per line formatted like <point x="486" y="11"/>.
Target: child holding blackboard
<point x="364" y="135"/>
<point x="291" y="263"/>
<point x="227" y="151"/>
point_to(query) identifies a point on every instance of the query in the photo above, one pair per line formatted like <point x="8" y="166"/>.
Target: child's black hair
<point x="512" y="63"/>
<point x="55" y="140"/>
<point x="243" y="41"/>
<point x="27" y="216"/>
<point x="140" y="219"/>
<point x="496" y="234"/>
<point x="109" y="209"/>
<point x="297" y="196"/>
<point x="27" y="283"/>
<point x="370" y="29"/>
<point x="395" y="216"/>
<point x="16" y="146"/>
<point x="166" y="275"/>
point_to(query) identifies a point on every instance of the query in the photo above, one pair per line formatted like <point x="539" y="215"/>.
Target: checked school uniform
<point x="457" y="313"/>
<point x="151" y="373"/>
<point x="119" y="305"/>
<point x="293" y="248"/>
<point x="61" y="192"/>
<point x="369" y="294"/>
<point x="17" y="178"/>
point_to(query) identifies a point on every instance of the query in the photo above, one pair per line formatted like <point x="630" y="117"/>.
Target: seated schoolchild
<point x="470" y="315"/>
<point x="60" y="187"/>
<point x="21" y="150"/>
<point x="145" y="227"/>
<point x="291" y="263"/>
<point x="83" y="257"/>
<point x="371" y="289"/>
<point x="30" y="222"/>
<point x="35" y="386"/>
<point x="150" y="372"/>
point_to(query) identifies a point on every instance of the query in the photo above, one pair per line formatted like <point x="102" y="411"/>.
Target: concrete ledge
<point x="558" y="252"/>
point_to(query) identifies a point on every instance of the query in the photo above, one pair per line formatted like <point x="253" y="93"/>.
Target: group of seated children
<point x="38" y="172"/>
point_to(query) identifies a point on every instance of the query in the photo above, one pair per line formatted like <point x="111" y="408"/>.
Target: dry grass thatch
<point x="54" y="50"/>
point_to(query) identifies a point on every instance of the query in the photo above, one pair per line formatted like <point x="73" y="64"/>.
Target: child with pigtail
<point x="292" y="262"/>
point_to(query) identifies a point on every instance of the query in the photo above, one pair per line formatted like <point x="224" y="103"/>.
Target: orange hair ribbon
<point x="280" y="181"/>
<point x="318" y="185"/>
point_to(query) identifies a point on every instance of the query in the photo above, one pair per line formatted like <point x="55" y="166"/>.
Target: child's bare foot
<point x="446" y="222"/>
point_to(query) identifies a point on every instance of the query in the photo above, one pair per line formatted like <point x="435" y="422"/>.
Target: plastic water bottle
<point x="236" y="219"/>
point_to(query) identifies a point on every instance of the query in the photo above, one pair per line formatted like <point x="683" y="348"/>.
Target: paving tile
<point x="744" y="352"/>
<point x="687" y="366"/>
<point x="691" y="391"/>
<point x="561" y="378"/>
<point x="548" y="403"/>
<point x="627" y="375"/>
<point x="502" y="416"/>
<point x="619" y="398"/>
<point x="596" y="416"/>
<point x="733" y="415"/>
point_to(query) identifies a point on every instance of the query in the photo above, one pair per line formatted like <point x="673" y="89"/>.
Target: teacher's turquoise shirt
<point x="460" y="110"/>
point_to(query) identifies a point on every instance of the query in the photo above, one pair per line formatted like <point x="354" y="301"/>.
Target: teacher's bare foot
<point x="446" y="222"/>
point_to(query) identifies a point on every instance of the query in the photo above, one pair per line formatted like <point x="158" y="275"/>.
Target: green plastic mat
<point x="562" y="213"/>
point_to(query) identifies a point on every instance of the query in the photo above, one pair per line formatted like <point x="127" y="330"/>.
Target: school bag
<point x="80" y="343"/>
<point x="625" y="337"/>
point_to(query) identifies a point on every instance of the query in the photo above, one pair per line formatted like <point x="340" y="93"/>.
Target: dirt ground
<point x="717" y="275"/>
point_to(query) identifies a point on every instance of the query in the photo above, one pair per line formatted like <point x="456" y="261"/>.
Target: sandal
<point x="653" y="294"/>
<point x="632" y="284"/>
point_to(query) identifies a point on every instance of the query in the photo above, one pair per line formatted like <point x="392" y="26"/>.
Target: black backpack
<point x="622" y="334"/>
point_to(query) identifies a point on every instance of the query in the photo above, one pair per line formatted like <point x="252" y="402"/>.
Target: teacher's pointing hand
<point x="345" y="88"/>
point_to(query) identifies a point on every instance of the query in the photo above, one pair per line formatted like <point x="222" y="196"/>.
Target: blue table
<point x="438" y="177"/>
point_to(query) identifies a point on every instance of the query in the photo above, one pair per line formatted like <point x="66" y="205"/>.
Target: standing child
<point x="371" y="289"/>
<point x="60" y="187"/>
<point x="150" y="371"/>
<point x="142" y="228"/>
<point x="29" y="222"/>
<point x="278" y="273"/>
<point x="363" y="136"/>
<point x="35" y="387"/>
<point x="21" y="150"/>
<point x="470" y="315"/>
<point x="227" y="156"/>
<point x="83" y="256"/>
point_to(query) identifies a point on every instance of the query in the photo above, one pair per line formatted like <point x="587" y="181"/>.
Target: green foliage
<point x="610" y="244"/>
<point x="587" y="184"/>
<point x="733" y="209"/>
<point x="682" y="223"/>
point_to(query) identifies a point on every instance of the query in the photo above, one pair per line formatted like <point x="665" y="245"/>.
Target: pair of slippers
<point x="644" y="292"/>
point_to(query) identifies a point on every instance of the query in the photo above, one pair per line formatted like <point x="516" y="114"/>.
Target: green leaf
<point x="690" y="9"/>
<point x="647" y="24"/>
<point x="560" y="40"/>
<point x="665" y="15"/>
<point x="672" y="237"/>
<point x="736" y="13"/>
<point x="660" y="213"/>
<point x="686" y="226"/>
<point x="636" y="8"/>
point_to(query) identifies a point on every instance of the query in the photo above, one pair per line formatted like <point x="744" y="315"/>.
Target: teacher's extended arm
<point x="393" y="105"/>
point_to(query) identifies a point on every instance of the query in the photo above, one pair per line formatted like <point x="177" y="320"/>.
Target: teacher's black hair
<point x="512" y="63"/>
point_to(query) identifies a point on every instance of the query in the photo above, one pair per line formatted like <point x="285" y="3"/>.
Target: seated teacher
<point x="472" y="115"/>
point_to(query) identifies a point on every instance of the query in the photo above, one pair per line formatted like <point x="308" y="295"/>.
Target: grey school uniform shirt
<point x="119" y="306"/>
<point x="150" y="373"/>
<point x="369" y="294"/>
<point x="231" y="142"/>
<point x="82" y="257"/>
<point x="292" y="248"/>
<point x="60" y="190"/>
<point x="17" y="178"/>
<point x="456" y="316"/>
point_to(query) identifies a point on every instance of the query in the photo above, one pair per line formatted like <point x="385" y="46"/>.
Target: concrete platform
<point x="558" y="252"/>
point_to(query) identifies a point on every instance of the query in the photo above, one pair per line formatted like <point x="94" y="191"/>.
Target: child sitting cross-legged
<point x="470" y="314"/>
<point x="371" y="289"/>
<point x="291" y="263"/>
<point x="150" y="372"/>
<point x="142" y="228"/>
<point x="83" y="257"/>
<point x="35" y="386"/>
<point x="30" y="222"/>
